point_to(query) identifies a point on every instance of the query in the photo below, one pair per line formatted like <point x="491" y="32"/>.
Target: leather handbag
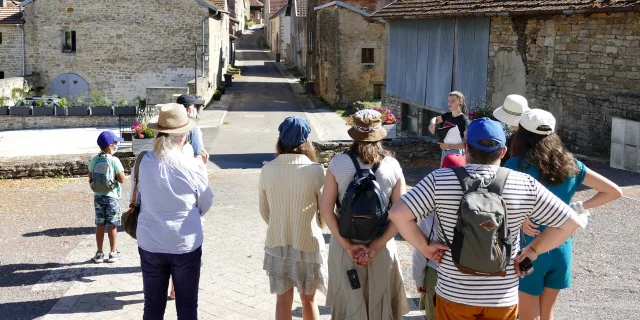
<point x="130" y="217"/>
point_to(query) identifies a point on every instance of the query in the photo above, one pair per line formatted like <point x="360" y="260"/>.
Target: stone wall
<point x="407" y="150"/>
<point x="158" y="95"/>
<point x="11" y="51"/>
<point x="327" y="55"/>
<point x="60" y="166"/>
<point x="392" y="103"/>
<point x="122" y="47"/>
<point x="582" y="68"/>
<point x="6" y="85"/>
<point x="56" y="122"/>
<point x="205" y="88"/>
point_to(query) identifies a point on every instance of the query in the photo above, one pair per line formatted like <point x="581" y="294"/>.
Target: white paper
<point x="453" y="136"/>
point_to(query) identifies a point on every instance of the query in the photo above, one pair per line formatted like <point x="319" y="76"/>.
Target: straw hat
<point x="173" y="118"/>
<point x="367" y="126"/>
<point x="512" y="109"/>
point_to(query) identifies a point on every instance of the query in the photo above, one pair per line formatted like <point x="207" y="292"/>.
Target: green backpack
<point x="481" y="238"/>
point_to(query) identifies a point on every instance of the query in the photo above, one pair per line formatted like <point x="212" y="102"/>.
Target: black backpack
<point x="481" y="238"/>
<point x="363" y="213"/>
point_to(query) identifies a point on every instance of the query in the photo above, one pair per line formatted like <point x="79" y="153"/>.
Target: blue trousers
<point x="185" y="270"/>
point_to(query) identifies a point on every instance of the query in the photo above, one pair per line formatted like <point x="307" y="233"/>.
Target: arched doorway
<point x="69" y="85"/>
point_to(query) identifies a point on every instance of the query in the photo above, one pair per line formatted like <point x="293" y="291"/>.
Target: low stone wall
<point x="158" y="95"/>
<point x="56" y="122"/>
<point x="6" y="85"/>
<point x="57" y="166"/>
<point x="407" y="150"/>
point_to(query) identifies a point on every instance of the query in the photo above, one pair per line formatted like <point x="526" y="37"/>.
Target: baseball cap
<point x="486" y="129"/>
<point x="453" y="160"/>
<point x="294" y="131"/>
<point x="533" y="119"/>
<point x="188" y="100"/>
<point x="106" y="138"/>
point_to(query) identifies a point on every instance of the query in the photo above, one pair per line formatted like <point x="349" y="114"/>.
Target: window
<point x="377" y="91"/>
<point x="0" y="37"/>
<point x="1" y="74"/>
<point x="69" y="44"/>
<point x="367" y="55"/>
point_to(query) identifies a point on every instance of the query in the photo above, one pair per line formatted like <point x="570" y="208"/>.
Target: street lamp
<point x="205" y="57"/>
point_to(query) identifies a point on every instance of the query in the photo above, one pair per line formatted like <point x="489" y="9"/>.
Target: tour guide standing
<point x="463" y="295"/>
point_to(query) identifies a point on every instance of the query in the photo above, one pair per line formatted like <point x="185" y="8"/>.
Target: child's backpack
<point x="481" y="238"/>
<point x="102" y="178"/>
<point x="363" y="213"/>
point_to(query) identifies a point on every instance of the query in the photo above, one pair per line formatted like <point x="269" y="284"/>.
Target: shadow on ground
<point x="62" y="232"/>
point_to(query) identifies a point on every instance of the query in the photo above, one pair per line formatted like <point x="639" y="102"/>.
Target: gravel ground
<point x="43" y="220"/>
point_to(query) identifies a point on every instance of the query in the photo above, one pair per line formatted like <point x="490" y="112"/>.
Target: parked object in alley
<point x="228" y="80"/>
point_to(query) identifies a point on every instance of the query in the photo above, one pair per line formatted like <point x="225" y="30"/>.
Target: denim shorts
<point x="107" y="210"/>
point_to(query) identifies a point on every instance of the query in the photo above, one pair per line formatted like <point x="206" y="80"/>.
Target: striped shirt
<point x="440" y="191"/>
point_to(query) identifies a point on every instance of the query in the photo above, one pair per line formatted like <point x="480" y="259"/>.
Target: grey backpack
<point x="102" y="178"/>
<point x="481" y="238"/>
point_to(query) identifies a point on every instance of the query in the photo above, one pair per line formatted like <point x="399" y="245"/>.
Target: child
<point x="105" y="175"/>
<point x="457" y="116"/>
<point x="425" y="272"/>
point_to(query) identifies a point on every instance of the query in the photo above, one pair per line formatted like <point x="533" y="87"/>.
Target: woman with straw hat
<point x="173" y="190"/>
<point x="381" y="295"/>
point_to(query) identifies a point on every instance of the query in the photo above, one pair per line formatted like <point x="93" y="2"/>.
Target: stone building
<point x="580" y="61"/>
<point x="239" y="11"/>
<point x="271" y="8"/>
<point x="121" y="48"/>
<point x="11" y="41"/>
<point x="281" y="32"/>
<point x="256" y="8"/>
<point x="350" y="53"/>
<point x="299" y="43"/>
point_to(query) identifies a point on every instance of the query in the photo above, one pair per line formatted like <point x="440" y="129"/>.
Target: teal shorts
<point x="551" y="270"/>
<point x="107" y="210"/>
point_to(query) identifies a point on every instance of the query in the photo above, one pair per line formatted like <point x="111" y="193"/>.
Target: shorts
<point x="550" y="270"/>
<point x="107" y="210"/>
<point x="428" y="299"/>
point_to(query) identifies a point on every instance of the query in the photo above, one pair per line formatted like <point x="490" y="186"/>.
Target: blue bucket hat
<point x="294" y="131"/>
<point x="486" y="129"/>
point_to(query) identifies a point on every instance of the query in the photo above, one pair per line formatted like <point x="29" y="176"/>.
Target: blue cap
<point x="106" y="138"/>
<point x="294" y="131"/>
<point x="486" y="129"/>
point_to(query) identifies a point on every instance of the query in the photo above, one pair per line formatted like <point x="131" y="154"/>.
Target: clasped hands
<point x="362" y="255"/>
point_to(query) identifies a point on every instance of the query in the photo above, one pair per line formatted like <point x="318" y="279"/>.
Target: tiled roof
<point x="10" y="15"/>
<point x="413" y="9"/>
<point x="220" y="4"/>
<point x="301" y="7"/>
<point x="256" y="3"/>
<point x="276" y="5"/>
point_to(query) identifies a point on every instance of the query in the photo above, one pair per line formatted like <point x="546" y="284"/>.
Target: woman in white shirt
<point x="173" y="192"/>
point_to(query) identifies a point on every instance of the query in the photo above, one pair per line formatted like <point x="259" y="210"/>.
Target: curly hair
<point x="547" y="153"/>
<point x="306" y="148"/>
<point x="369" y="152"/>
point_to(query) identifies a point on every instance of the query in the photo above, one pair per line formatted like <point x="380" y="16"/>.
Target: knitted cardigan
<point x="290" y="189"/>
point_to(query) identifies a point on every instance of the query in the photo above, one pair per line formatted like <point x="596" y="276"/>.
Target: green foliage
<point x="3" y="101"/>
<point x="63" y="102"/>
<point x="97" y="99"/>
<point x="122" y="102"/>
<point x="17" y="94"/>
<point x="40" y="102"/>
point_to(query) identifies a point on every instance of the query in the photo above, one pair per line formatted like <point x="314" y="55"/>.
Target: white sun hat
<point x="512" y="109"/>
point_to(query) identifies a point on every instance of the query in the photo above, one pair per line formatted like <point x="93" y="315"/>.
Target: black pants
<point x="185" y="270"/>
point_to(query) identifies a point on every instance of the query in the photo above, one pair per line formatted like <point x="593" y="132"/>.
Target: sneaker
<point x="99" y="257"/>
<point x="114" y="256"/>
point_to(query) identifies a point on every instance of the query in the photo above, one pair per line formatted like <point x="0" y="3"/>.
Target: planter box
<point x="20" y="111"/>
<point x="139" y="145"/>
<point x="391" y="131"/>
<point x="217" y="98"/>
<point x="4" y="111"/>
<point x="42" y="111"/>
<point x="101" y="111"/>
<point x="60" y="111"/>
<point x="77" y="111"/>
<point x="124" y="111"/>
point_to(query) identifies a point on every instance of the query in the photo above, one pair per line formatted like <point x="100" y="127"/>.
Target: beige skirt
<point x="381" y="295"/>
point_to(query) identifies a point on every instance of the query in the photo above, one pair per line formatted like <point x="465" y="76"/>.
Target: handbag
<point x="130" y="217"/>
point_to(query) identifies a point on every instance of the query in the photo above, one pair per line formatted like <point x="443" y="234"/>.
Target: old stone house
<point x="299" y="36"/>
<point x="239" y="12"/>
<point x="349" y="52"/>
<point x="580" y="61"/>
<point x="119" y="48"/>
<point x="281" y="31"/>
<point x="256" y="13"/>
<point x="11" y="41"/>
<point x="271" y="7"/>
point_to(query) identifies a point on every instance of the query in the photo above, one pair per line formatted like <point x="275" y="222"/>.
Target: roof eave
<point x="202" y="3"/>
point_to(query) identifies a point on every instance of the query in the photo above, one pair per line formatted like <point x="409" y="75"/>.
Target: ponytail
<point x="463" y="103"/>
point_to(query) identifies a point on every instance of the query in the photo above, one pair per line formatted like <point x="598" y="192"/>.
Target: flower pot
<point x="43" y="111"/>
<point x="60" y="111"/>
<point x="222" y="90"/>
<point x="227" y="80"/>
<point x="139" y="145"/>
<point x="124" y="111"/>
<point x="101" y="111"/>
<point x="20" y="111"/>
<point x="216" y="97"/>
<point x="4" y="111"/>
<point x="391" y="130"/>
<point x="77" y="111"/>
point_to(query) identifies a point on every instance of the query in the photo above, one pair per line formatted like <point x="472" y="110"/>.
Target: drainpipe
<point x="24" y="53"/>
<point x="202" y="22"/>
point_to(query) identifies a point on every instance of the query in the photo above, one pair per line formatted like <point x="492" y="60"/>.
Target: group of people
<point x="363" y="280"/>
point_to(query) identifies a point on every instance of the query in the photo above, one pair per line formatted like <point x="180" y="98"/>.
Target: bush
<point x="63" y="102"/>
<point x="122" y="102"/>
<point x="3" y="101"/>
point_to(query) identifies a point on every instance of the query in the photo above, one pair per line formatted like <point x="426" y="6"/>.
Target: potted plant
<point x="480" y="111"/>
<point x="217" y="95"/>
<point x="20" y="107"/>
<point x="142" y="136"/>
<point x="123" y="107"/>
<point x="389" y="120"/>
<point x="4" y="108"/>
<point x="60" y="108"/>
<point x="77" y="106"/>
<point x="41" y="108"/>
<point x="100" y="106"/>
<point x="222" y="89"/>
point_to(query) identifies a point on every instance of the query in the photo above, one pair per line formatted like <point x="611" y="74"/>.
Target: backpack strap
<point x="465" y="180"/>
<point x="136" y="169"/>
<point x="499" y="181"/>
<point x="355" y="164"/>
